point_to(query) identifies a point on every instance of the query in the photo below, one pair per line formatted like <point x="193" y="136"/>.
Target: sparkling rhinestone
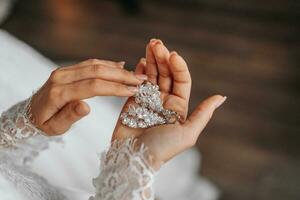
<point x="149" y="109"/>
<point x="142" y="124"/>
<point x="132" y="123"/>
<point x="126" y="121"/>
<point x="131" y="110"/>
<point x="123" y="115"/>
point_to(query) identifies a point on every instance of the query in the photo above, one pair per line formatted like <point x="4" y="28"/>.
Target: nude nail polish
<point x="143" y="60"/>
<point x="132" y="89"/>
<point x="221" y="101"/>
<point x="142" y="77"/>
<point x="122" y="63"/>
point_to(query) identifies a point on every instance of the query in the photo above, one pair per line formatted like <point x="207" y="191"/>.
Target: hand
<point x="58" y="104"/>
<point x="170" y="72"/>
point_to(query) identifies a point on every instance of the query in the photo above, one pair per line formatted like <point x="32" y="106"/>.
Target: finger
<point x="162" y="55"/>
<point x="96" y="71"/>
<point x="109" y="63"/>
<point x="140" y="67"/>
<point x="151" y="65"/>
<point x="181" y="76"/>
<point x="197" y="121"/>
<point x="90" y="88"/>
<point x="68" y="115"/>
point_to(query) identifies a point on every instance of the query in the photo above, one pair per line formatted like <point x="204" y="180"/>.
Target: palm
<point x="167" y="71"/>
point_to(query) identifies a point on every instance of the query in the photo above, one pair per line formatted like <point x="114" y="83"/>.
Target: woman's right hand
<point x="58" y="103"/>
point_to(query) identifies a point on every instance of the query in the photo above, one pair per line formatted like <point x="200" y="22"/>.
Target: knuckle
<point x="54" y="93"/>
<point x="93" y="61"/>
<point x="126" y="75"/>
<point x="152" y="76"/>
<point x="55" y="75"/>
<point x="96" y="68"/>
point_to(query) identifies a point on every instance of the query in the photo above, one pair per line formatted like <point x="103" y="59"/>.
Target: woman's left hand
<point x="170" y="72"/>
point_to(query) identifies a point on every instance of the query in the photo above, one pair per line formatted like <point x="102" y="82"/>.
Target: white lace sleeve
<point x="19" y="138"/>
<point x="125" y="173"/>
<point x="20" y="142"/>
<point x="15" y="125"/>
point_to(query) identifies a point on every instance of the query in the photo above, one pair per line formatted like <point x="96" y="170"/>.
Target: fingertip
<point x="214" y="102"/>
<point x="154" y="42"/>
<point x="174" y="57"/>
<point x="173" y="53"/>
<point x="158" y="41"/>
<point x="121" y="64"/>
<point x="220" y="100"/>
<point x="82" y="108"/>
<point x="143" y="61"/>
<point x="161" y="52"/>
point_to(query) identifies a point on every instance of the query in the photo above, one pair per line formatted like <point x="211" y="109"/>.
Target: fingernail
<point x="158" y="42"/>
<point x="143" y="60"/>
<point x="221" y="101"/>
<point x="121" y="63"/>
<point x="152" y="40"/>
<point x="132" y="89"/>
<point x="142" y="77"/>
<point x="174" y="52"/>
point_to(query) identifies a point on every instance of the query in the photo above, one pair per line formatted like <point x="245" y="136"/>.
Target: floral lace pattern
<point x="15" y="125"/>
<point x="20" y="143"/>
<point x="125" y="173"/>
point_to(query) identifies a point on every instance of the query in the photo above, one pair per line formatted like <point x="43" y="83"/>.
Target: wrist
<point x="153" y="161"/>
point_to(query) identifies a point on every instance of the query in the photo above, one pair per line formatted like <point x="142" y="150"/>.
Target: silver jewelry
<point x="149" y="110"/>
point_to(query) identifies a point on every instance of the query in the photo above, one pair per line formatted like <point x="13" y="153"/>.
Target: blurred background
<point x="247" y="50"/>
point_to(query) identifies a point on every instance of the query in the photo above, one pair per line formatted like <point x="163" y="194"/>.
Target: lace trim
<point x="125" y="173"/>
<point x="15" y="125"/>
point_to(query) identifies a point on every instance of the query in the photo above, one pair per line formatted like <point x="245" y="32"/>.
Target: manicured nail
<point x="174" y="52"/>
<point x="122" y="63"/>
<point x="152" y="40"/>
<point x="143" y="60"/>
<point x="221" y="101"/>
<point x="142" y="77"/>
<point x="132" y="89"/>
<point x="158" y="41"/>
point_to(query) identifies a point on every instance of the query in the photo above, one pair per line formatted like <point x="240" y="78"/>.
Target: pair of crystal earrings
<point x="149" y="110"/>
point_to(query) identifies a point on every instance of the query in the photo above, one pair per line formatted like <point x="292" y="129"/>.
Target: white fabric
<point x="73" y="165"/>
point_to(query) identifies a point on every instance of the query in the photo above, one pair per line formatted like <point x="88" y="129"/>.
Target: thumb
<point x="197" y="121"/>
<point x="68" y="115"/>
